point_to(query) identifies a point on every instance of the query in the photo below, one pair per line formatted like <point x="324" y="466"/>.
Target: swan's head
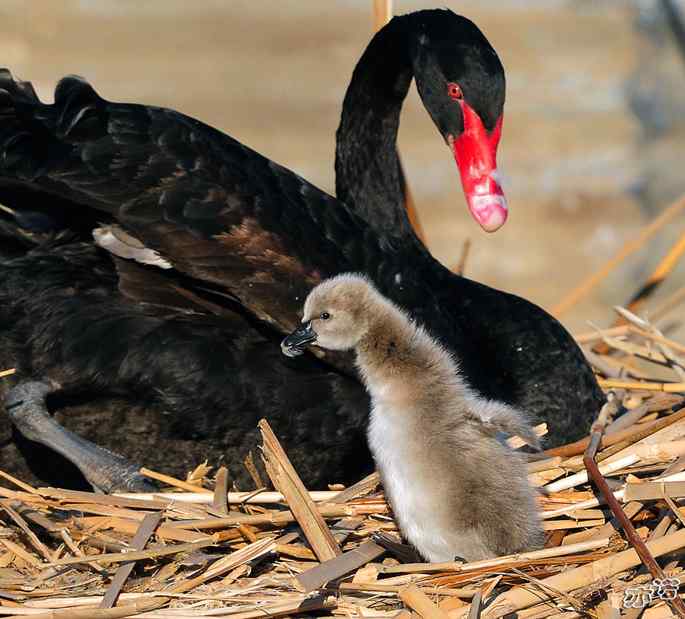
<point x="336" y="315"/>
<point x="461" y="83"/>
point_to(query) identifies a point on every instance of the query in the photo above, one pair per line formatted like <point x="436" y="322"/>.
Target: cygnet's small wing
<point x="499" y="417"/>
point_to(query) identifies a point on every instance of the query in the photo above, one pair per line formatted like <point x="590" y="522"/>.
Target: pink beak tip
<point x="490" y="211"/>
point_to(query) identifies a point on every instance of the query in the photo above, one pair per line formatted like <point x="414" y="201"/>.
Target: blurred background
<point x="594" y="132"/>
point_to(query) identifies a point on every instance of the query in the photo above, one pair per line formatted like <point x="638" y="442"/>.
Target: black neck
<point x="368" y="176"/>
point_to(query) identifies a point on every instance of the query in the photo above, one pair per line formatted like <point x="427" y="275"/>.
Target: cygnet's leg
<point x="106" y="471"/>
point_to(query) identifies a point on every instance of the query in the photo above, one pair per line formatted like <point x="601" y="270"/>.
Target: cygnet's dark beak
<point x="293" y="345"/>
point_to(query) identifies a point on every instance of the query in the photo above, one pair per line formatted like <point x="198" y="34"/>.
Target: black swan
<point x="242" y="240"/>
<point x="435" y="442"/>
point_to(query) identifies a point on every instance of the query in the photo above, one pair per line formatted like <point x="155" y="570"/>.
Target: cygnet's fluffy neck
<point x="395" y="353"/>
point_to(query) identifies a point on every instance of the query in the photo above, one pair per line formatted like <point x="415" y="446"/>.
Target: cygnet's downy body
<point x="456" y="490"/>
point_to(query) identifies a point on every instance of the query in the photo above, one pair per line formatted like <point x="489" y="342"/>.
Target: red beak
<point x="475" y="152"/>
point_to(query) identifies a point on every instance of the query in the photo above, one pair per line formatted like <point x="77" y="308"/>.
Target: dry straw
<point x="197" y="550"/>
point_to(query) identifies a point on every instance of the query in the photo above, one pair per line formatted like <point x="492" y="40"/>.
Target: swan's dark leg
<point x="105" y="471"/>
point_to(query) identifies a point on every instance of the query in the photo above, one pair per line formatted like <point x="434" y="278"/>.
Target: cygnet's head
<point x="336" y="315"/>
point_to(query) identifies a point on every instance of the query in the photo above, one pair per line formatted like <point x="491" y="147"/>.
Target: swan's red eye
<point x="454" y="91"/>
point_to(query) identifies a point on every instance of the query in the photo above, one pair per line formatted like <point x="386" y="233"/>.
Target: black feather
<point x="232" y="222"/>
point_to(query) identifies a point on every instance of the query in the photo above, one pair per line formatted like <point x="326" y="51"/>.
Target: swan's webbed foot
<point x="106" y="471"/>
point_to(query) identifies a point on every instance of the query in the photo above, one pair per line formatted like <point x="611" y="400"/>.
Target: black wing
<point x="216" y="210"/>
<point x="213" y="376"/>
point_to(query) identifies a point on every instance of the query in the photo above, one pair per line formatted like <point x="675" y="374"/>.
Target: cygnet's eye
<point x="325" y="316"/>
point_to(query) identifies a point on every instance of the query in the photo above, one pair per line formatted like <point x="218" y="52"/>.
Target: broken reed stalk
<point x="664" y="354"/>
<point x="599" y="334"/>
<point x="339" y="566"/>
<point x="17" y="482"/>
<point x="499" y="562"/>
<point x="382" y="12"/>
<point x="171" y="481"/>
<point x="582" y="290"/>
<point x="369" y="483"/>
<point x="656" y="338"/>
<point x="258" y="497"/>
<point x="144" y="533"/>
<point x="631" y="434"/>
<point x="419" y="602"/>
<point x="220" y="499"/>
<point x="21" y="523"/>
<point x="286" y="480"/>
<point x="474" y="611"/>
<point x="461" y="265"/>
<point x="136" y="555"/>
<point x="653" y="490"/>
<point x="613" y="383"/>
<point x="608" y="410"/>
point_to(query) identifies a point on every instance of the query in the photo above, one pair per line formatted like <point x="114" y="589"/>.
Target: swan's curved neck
<point x="368" y="176"/>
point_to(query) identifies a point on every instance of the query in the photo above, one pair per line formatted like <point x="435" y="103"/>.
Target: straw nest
<point x="198" y="550"/>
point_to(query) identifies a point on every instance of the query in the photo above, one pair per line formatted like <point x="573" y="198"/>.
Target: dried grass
<point x="201" y="551"/>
